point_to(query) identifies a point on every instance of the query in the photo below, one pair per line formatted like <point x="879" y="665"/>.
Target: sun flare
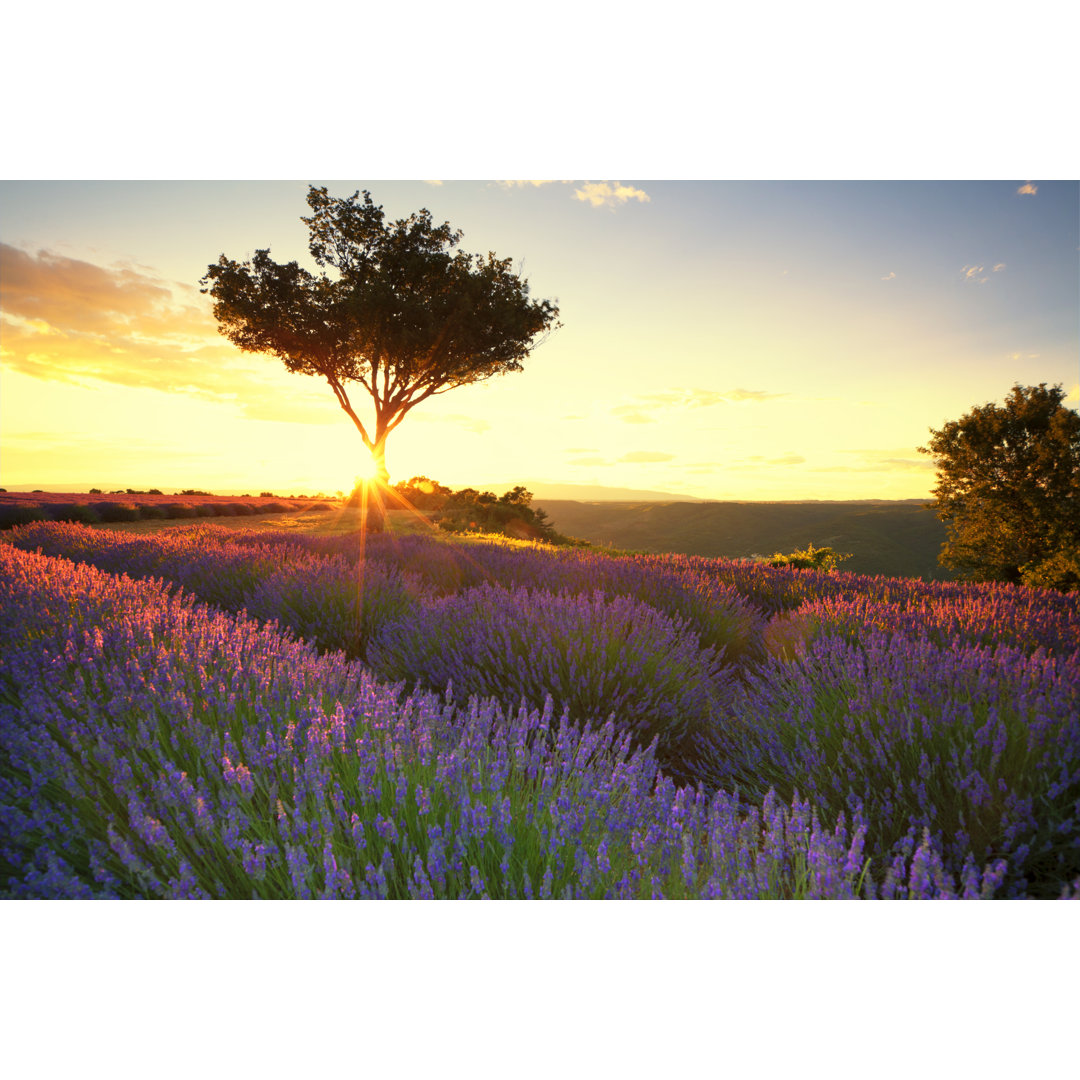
<point x="366" y="469"/>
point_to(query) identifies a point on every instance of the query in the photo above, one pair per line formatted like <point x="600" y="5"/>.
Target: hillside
<point x="895" y="538"/>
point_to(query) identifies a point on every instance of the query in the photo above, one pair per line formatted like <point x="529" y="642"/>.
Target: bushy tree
<point x="423" y="493"/>
<point x="811" y="558"/>
<point x="404" y="315"/>
<point x="1008" y="489"/>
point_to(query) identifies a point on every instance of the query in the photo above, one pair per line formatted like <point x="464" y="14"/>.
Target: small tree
<point x="405" y="315"/>
<point x="811" y="558"/>
<point x="1009" y="489"/>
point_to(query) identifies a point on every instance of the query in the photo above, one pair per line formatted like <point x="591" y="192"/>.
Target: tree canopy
<point x="405" y="314"/>
<point x="1009" y="489"/>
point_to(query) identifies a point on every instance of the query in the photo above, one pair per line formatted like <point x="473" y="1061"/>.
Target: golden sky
<point x="728" y="340"/>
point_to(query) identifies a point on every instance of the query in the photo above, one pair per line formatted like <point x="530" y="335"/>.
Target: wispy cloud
<point x="468" y="423"/>
<point x="632" y="414"/>
<point x="67" y="320"/>
<point x="998" y="267"/>
<point x="786" y="459"/>
<point x="608" y="193"/>
<point x="646" y="456"/>
<point x="889" y="276"/>
<point x="642" y="409"/>
<point x="971" y="273"/>
<point x="529" y="183"/>
<point x="880" y="461"/>
<point x="434" y="183"/>
<point x="1026" y="189"/>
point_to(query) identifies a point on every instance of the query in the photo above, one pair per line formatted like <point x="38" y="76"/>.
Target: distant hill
<point x="591" y="492"/>
<point x="897" y="538"/>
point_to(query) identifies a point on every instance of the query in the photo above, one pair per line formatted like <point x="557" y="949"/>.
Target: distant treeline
<point x="21" y="509"/>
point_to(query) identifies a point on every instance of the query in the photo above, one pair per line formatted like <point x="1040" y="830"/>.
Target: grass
<point x="337" y="522"/>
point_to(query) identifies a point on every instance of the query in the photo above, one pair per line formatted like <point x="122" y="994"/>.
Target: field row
<point x="933" y="720"/>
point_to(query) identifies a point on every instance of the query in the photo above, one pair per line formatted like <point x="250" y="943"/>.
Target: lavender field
<point x="229" y="713"/>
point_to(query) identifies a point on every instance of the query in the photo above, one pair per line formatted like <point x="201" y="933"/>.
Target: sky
<point x="733" y="340"/>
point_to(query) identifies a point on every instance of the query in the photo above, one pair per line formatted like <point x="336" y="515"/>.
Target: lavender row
<point x="153" y="747"/>
<point x="978" y="746"/>
<point x="726" y="599"/>
<point x="324" y="599"/>
<point x="597" y="654"/>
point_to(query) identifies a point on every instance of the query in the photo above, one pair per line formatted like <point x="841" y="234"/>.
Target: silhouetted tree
<point x="405" y="315"/>
<point x="1009" y="489"/>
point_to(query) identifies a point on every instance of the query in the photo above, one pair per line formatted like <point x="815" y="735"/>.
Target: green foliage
<point x="423" y="493"/>
<point x="1009" y="489"/>
<point x="118" y="511"/>
<point x="1058" y="571"/>
<point x="83" y="512"/>
<point x="13" y="514"/>
<point x="405" y="317"/>
<point x="509" y="514"/>
<point x="811" y="558"/>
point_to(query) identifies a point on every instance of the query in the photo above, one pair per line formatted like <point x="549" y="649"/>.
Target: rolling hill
<point x="897" y="538"/>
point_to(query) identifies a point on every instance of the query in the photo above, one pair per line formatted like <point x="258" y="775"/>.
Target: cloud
<point x="511" y="184"/>
<point x="881" y="461"/>
<point x="469" y="423"/>
<point x="646" y="456"/>
<point x="434" y="183"/>
<point x="971" y="273"/>
<point x="889" y="276"/>
<point x="608" y="193"/>
<point x="640" y="410"/>
<point x="998" y="267"/>
<point x="631" y="414"/>
<point x="751" y="395"/>
<point x="1026" y="189"/>
<point x="786" y="459"/>
<point x="67" y="320"/>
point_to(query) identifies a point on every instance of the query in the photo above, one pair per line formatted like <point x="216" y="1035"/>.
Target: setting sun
<point x="366" y="469"/>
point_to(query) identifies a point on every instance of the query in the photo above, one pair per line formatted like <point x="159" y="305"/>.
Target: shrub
<point x="203" y="510"/>
<point x="111" y="511"/>
<point x="811" y="558"/>
<point x="152" y="510"/>
<point x="10" y="516"/>
<point x="274" y="508"/>
<point x="179" y="510"/>
<point x="83" y="512"/>
<point x="95" y="491"/>
<point x="1058" y="571"/>
<point x="223" y="509"/>
<point x="321" y="506"/>
<point x="593" y="654"/>
<point x="979" y="747"/>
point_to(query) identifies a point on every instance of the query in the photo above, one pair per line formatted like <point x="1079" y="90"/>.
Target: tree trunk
<point x="378" y="452"/>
